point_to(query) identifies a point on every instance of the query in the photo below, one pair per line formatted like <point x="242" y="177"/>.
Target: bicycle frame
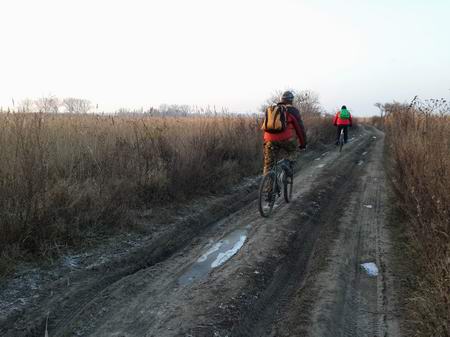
<point x="277" y="181"/>
<point x="279" y="169"/>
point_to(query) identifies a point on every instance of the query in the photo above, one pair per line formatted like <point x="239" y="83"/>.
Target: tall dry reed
<point x="418" y="138"/>
<point x="63" y="176"/>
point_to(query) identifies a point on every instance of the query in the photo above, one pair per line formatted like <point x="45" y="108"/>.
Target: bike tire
<point x="266" y="207"/>
<point x="288" y="183"/>
<point x="341" y="145"/>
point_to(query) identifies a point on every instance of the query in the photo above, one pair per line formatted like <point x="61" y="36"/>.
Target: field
<point x="72" y="178"/>
<point x="64" y="176"/>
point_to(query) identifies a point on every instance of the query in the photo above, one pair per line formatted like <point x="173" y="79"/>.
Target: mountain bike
<point x="341" y="140"/>
<point x="279" y="179"/>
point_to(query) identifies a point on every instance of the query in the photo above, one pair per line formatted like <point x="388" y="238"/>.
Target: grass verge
<point x="418" y="144"/>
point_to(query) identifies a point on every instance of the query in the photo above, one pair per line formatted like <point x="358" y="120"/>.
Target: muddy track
<point x="297" y="273"/>
<point x="77" y="289"/>
<point x="313" y="228"/>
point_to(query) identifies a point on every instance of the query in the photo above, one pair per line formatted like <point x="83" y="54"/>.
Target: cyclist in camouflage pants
<point x="285" y="143"/>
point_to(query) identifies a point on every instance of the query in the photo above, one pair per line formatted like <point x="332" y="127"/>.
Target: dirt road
<point x="320" y="266"/>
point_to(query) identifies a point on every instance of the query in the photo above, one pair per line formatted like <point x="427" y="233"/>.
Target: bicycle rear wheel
<point x="341" y="140"/>
<point x="267" y="194"/>
<point x="288" y="183"/>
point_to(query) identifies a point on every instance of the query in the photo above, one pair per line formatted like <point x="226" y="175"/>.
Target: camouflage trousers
<point x="278" y="150"/>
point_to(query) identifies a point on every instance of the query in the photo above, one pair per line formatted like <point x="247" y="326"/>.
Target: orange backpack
<point x="275" y="120"/>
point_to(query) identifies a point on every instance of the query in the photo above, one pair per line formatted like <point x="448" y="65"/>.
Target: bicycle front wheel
<point x="267" y="194"/>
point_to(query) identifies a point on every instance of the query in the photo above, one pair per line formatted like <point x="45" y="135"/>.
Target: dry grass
<point x="320" y="129"/>
<point x="63" y="177"/>
<point x="419" y="143"/>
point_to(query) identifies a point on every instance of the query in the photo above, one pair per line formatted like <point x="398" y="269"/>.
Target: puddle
<point x="318" y="158"/>
<point x="215" y="256"/>
<point x="360" y="162"/>
<point x="370" y="268"/>
<point x="368" y="206"/>
<point x="364" y="153"/>
<point x="325" y="153"/>
<point x="321" y="165"/>
<point x="373" y="137"/>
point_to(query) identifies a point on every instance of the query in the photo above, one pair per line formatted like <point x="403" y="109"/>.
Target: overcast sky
<point x="227" y="53"/>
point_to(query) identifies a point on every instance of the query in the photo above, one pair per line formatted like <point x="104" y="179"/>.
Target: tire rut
<point x="306" y="247"/>
<point x="348" y="301"/>
<point x="59" y="310"/>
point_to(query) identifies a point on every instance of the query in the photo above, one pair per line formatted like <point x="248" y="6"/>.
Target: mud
<point x="226" y="271"/>
<point x="217" y="255"/>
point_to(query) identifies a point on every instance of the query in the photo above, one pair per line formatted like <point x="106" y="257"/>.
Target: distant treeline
<point x="307" y="102"/>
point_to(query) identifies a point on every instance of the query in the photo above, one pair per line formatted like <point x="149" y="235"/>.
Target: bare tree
<point x="76" y="105"/>
<point x="273" y="99"/>
<point x="123" y="111"/>
<point x="84" y="106"/>
<point x="69" y="104"/>
<point x="48" y="104"/>
<point x="306" y="101"/>
<point x="174" y="110"/>
<point x="27" y="105"/>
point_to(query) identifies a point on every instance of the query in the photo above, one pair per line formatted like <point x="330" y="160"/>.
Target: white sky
<point x="227" y="53"/>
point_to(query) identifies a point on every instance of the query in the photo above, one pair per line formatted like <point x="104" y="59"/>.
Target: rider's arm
<point x="335" y="119"/>
<point x="298" y="131"/>
<point x="296" y="114"/>
<point x="302" y="129"/>
<point x="351" y="122"/>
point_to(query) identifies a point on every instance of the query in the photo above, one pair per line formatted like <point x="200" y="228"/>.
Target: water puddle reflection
<point x="370" y="268"/>
<point x="215" y="256"/>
